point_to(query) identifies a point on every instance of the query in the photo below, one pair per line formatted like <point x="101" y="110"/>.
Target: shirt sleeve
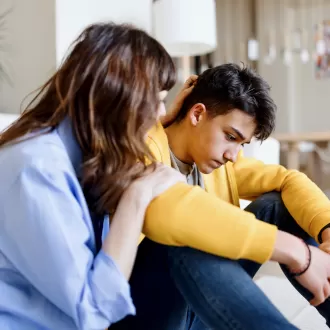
<point x="45" y="236"/>
<point x="305" y="201"/>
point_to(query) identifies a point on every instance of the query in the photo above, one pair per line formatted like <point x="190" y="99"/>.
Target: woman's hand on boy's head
<point x="177" y="104"/>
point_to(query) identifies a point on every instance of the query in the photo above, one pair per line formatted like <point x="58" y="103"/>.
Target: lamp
<point x="185" y="27"/>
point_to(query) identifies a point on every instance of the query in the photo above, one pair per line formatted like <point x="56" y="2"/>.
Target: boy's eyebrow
<point x="242" y="137"/>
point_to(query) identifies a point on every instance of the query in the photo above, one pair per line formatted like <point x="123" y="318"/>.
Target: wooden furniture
<point x="293" y="140"/>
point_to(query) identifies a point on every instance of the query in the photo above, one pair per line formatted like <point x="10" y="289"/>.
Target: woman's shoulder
<point x="42" y="153"/>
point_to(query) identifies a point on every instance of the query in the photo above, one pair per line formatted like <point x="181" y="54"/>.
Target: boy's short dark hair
<point x="228" y="87"/>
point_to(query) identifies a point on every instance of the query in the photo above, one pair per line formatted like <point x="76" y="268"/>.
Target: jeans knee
<point x="267" y="206"/>
<point x="268" y="199"/>
<point x="273" y="197"/>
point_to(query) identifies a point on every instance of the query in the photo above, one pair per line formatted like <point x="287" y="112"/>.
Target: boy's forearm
<point x="305" y="201"/>
<point x="189" y="216"/>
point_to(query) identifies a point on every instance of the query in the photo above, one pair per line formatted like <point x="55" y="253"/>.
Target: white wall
<point x="70" y="19"/>
<point x="30" y="37"/>
<point x="72" y="16"/>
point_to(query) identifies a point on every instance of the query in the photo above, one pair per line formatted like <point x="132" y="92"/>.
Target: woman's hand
<point x="154" y="182"/>
<point x="176" y="106"/>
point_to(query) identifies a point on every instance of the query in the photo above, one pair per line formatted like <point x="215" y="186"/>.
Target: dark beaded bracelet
<point x="299" y="272"/>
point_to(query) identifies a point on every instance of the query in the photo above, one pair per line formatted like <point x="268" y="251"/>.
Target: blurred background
<point x="286" y="41"/>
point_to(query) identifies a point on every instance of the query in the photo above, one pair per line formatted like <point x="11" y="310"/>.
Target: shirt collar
<point x="182" y="167"/>
<point x="66" y="134"/>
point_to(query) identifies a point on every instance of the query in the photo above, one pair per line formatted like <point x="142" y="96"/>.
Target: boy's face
<point x="214" y="141"/>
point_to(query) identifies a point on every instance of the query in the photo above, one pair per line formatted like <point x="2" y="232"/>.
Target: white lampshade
<point x="185" y="27"/>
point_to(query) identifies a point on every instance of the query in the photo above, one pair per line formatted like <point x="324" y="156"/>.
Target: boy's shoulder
<point x="158" y="143"/>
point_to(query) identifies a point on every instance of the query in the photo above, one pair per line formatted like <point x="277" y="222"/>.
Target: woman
<point x="69" y="160"/>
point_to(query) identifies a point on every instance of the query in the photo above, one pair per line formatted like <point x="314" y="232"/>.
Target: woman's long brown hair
<point x="108" y="86"/>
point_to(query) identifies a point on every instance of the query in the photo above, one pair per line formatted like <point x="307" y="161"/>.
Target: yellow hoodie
<point x="212" y="221"/>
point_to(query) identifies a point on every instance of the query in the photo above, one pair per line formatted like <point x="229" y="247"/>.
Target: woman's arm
<point x="47" y="237"/>
<point x="126" y="225"/>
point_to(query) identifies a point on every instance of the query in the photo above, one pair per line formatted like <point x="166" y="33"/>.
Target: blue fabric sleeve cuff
<point x="113" y="296"/>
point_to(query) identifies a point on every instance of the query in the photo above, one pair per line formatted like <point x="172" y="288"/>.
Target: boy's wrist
<point x="289" y="250"/>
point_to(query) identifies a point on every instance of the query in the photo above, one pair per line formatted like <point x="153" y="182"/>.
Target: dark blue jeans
<point x="179" y="288"/>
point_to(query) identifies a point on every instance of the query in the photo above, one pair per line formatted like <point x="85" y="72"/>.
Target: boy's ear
<point x="197" y="113"/>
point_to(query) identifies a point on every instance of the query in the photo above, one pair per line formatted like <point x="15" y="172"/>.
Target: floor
<point x="279" y="290"/>
<point x="283" y="295"/>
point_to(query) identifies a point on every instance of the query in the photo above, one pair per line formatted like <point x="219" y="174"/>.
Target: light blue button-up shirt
<point x="50" y="274"/>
